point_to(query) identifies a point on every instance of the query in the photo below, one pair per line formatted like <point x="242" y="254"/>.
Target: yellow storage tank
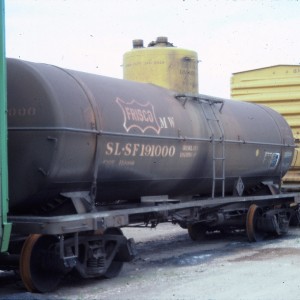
<point x="279" y="88"/>
<point x="162" y="64"/>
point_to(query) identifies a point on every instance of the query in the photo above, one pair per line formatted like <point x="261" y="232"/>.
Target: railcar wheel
<point x="34" y="263"/>
<point x="197" y="231"/>
<point x="253" y="233"/>
<point x="116" y="266"/>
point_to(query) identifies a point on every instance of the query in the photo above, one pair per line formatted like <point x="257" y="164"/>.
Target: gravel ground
<point x="171" y="266"/>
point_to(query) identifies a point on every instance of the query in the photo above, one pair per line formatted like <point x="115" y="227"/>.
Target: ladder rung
<point x="219" y="158"/>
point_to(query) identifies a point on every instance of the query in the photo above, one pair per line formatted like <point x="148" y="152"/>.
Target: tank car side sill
<point x="148" y="136"/>
<point x="120" y="218"/>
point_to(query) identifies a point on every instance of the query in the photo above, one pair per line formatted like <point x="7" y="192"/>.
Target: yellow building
<point x="279" y="88"/>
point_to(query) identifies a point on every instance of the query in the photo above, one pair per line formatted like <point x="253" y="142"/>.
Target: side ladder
<point x="218" y="155"/>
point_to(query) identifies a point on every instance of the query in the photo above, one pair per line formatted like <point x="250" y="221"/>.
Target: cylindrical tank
<point x="162" y="64"/>
<point x="68" y="129"/>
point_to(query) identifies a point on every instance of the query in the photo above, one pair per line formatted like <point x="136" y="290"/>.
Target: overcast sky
<point x="92" y="35"/>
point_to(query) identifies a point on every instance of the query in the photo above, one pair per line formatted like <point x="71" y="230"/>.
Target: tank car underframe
<point x="168" y="209"/>
<point x="93" y="244"/>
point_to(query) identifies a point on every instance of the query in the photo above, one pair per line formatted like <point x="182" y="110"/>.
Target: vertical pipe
<point x="5" y="227"/>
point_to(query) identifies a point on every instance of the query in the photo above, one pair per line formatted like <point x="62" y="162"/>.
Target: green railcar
<point x="5" y="228"/>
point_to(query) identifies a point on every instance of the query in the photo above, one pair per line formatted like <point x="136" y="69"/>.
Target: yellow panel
<point x="284" y="109"/>
<point x="279" y="88"/>
<point x="267" y="83"/>
<point x="279" y="71"/>
<point x="264" y="96"/>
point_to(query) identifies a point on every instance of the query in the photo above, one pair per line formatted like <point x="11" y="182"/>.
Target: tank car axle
<point x="46" y="259"/>
<point x="262" y="221"/>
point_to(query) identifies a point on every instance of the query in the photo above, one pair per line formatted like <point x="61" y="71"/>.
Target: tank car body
<point x="90" y="154"/>
<point x="72" y="131"/>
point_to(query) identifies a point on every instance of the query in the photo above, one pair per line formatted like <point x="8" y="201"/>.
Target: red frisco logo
<point x="137" y="115"/>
